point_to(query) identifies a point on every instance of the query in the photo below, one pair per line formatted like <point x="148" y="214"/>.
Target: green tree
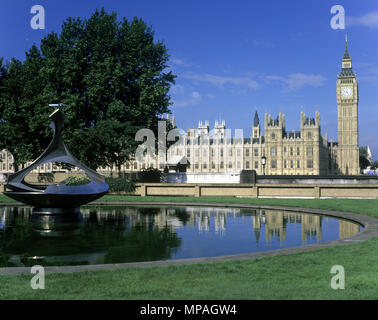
<point x="23" y="109"/>
<point x="112" y="76"/>
<point x="364" y="162"/>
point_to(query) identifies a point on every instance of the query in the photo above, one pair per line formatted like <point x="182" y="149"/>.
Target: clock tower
<point x="347" y="115"/>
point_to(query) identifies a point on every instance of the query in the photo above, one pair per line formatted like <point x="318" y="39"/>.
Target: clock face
<point x="346" y="92"/>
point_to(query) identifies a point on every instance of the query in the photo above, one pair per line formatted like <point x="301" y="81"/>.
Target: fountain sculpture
<point x="55" y="198"/>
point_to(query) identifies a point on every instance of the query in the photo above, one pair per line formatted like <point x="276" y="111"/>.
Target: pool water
<point x="110" y="234"/>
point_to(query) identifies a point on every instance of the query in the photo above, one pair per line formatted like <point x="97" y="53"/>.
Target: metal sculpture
<point x="56" y="199"/>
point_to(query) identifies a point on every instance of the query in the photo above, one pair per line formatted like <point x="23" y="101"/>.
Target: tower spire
<point x="256" y="121"/>
<point x="346" y="53"/>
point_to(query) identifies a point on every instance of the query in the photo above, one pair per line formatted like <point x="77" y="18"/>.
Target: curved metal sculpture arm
<point x="55" y="152"/>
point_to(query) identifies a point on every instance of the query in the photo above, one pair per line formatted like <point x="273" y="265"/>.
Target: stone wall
<point x="260" y="190"/>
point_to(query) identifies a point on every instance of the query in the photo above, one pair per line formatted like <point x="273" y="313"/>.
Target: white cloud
<point x="368" y="20"/>
<point x="193" y="99"/>
<point x="179" y="62"/>
<point x="296" y="81"/>
<point x="220" y="81"/>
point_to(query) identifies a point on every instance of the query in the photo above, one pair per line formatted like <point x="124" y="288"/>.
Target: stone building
<point x="276" y="152"/>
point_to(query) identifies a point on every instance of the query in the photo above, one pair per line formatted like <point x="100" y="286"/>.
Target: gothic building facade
<point x="278" y="151"/>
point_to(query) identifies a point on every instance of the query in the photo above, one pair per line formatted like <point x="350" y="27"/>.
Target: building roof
<point x="346" y="53"/>
<point x="309" y="121"/>
<point x="293" y="135"/>
<point x="256" y="120"/>
<point x="176" y="160"/>
<point x="346" y="72"/>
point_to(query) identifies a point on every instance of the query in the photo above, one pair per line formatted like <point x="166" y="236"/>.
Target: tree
<point x="24" y="111"/>
<point x="112" y="76"/>
<point x="364" y="162"/>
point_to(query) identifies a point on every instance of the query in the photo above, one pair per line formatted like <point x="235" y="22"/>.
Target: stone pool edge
<point x="369" y="224"/>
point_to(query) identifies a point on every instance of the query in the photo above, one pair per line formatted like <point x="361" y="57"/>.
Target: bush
<point x="75" y="181"/>
<point x="149" y="175"/>
<point x="120" y="184"/>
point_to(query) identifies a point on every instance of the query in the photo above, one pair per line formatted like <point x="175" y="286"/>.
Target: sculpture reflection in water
<point x="56" y="199"/>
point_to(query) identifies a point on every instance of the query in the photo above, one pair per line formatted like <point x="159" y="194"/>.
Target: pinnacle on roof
<point x="256" y="120"/>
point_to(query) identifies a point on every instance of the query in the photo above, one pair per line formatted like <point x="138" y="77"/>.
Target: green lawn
<point x="296" y="276"/>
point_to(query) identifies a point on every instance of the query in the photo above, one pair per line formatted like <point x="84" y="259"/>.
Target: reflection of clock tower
<point x="347" y="114"/>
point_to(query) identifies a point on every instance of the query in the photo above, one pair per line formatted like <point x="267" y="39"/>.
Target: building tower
<point x="256" y="127"/>
<point x="347" y="114"/>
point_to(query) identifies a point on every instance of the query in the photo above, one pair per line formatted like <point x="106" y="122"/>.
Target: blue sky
<point x="235" y="57"/>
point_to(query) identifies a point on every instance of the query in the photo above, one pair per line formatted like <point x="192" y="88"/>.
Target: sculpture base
<point x="56" y="211"/>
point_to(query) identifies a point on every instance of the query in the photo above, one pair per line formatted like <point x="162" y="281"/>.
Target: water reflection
<point x="107" y="234"/>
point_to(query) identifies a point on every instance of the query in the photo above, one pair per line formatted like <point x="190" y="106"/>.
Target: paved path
<point x="370" y="231"/>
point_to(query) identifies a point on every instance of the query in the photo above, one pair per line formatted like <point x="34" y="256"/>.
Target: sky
<point x="232" y="58"/>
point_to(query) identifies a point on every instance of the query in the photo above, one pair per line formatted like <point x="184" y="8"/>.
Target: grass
<point x="297" y="276"/>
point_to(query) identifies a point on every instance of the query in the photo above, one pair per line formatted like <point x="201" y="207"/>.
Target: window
<point x="298" y="164"/>
<point x="247" y="152"/>
<point x="273" y="151"/>
<point x="212" y="152"/>
<point x="256" y="164"/>
<point x="298" y="151"/>
<point x="273" y="136"/>
<point x="230" y="152"/>
<point x="135" y="166"/>
<point x="205" y="165"/>
<point x="221" y="164"/>
<point x="291" y="164"/>
<point x="284" y="164"/>
<point x="188" y="153"/>
<point x="221" y="153"/>
<point x="230" y="164"/>
<point x="238" y="164"/>
<point x="247" y="164"/>
<point x="284" y="151"/>
<point x="273" y="164"/>
<point x="127" y="165"/>
<point x="309" y="151"/>
<point x="255" y="133"/>
<point x="291" y="151"/>
<point x="213" y="165"/>
<point x="238" y="152"/>
<point x="309" y="164"/>
<point x="256" y="152"/>
<point x="309" y="135"/>
<point x="196" y="165"/>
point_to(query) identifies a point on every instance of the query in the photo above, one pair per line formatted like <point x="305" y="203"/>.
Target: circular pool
<point x="121" y="234"/>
